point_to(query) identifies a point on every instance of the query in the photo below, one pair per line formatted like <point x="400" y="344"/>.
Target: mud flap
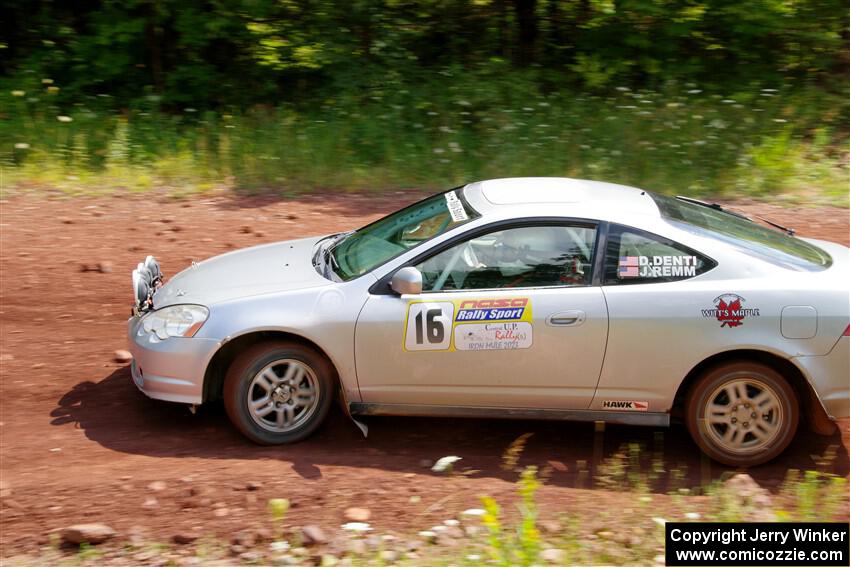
<point x="364" y="429"/>
<point x="360" y="425"/>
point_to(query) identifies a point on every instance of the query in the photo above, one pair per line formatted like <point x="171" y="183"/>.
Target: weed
<point x="670" y="141"/>
<point x="278" y="507"/>
<point x="520" y="546"/>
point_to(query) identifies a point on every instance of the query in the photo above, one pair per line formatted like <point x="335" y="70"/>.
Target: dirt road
<point x="80" y="443"/>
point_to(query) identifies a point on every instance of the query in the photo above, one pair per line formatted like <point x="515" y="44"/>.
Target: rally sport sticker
<point x="469" y="324"/>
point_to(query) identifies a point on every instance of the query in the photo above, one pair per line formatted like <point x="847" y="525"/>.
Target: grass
<point x="757" y="142"/>
<point x="631" y="534"/>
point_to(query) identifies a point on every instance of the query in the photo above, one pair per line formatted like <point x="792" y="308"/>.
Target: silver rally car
<point x="520" y="298"/>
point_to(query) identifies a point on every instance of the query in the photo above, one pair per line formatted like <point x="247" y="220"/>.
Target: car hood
<point x="269" y="268"/>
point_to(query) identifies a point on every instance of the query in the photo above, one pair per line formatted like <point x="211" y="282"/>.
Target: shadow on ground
<point x="118" y="417"/>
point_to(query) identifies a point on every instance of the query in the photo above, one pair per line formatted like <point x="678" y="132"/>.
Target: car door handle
<point x="566" y="318"/>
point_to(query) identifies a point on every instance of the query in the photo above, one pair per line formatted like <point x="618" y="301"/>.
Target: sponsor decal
<point x="730" y="311"/>
<point x="469" y="324"/>
<point x="492" y="309"/>
<point x="493" y="336"/>
<point x="625" y="405"/>
<point x="656" y="266"/>
<point x="456" y="210"/>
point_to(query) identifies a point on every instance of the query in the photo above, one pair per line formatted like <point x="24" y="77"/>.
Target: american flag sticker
<point x="627" y="267"/>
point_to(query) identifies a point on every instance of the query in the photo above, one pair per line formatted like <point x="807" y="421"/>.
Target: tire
<point x="742" y="414"/>
<point x="291" y="387"/>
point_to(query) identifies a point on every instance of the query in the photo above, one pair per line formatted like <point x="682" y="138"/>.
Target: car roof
<point x="558" y="193"/>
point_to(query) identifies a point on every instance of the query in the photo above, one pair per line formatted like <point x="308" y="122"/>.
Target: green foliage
<point x="696" y="96"/>
<point x="814" y="496"/>
<point x="278" y="507"/>
<point x="678" y="140"/>
<point x="212" y="54"/>
<point x="520" y="546"/>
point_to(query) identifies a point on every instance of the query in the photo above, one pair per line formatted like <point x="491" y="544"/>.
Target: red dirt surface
<point x="81" y="444"/>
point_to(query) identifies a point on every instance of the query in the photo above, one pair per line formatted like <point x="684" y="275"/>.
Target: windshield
<point x="367" y="248"/>
<point x="768" y="244"/>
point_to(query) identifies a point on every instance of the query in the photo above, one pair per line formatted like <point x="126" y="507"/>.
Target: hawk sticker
<point x="729" y="310"/>
<point x="625" y="405"/>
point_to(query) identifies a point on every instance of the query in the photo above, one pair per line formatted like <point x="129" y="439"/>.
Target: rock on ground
<point x="552" y="555"/>
<point x="123" y="356"/>
<point x="313" y="535"/>
<point x="358" y="514"/>
<point x="87" y="533"/>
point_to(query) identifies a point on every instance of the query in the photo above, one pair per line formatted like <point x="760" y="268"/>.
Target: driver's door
<point x="507" y="318"/>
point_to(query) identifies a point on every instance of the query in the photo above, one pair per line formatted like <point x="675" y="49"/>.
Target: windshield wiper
<point x="788" y="231"/>
<point x="716" y="207"/>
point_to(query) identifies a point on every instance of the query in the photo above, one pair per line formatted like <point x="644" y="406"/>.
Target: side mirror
<point x="407" y="281"/>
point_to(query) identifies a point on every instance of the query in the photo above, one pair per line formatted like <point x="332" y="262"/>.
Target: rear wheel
<point x="278" y="392"/>
<point x="742" y="413"/>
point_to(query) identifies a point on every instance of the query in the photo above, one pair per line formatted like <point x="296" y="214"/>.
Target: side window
<point x="634" y="256"/>
<point x="532" y="256"/>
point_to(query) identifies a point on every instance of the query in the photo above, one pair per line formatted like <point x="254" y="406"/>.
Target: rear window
<point x="765" y="243"/>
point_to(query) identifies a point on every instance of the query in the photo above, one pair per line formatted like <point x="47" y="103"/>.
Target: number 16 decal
<point x="429" y="326"/>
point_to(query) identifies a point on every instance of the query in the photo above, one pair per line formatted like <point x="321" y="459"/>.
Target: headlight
<point x="175" y="321"/>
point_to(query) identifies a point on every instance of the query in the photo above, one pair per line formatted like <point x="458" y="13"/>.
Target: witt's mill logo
<point x="729" y="310"/>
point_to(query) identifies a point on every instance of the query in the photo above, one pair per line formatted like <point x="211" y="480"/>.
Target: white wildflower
<point x="65" y="119"/>
<point x="473" y="512"/>
<point x="19" y="93"/>
<point x="279" y="546"/>
<point x="692" y="515"/>
<point x="22" y="146"/>
<point x="357" y="527"/>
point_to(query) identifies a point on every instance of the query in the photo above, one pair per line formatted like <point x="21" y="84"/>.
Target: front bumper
<point x="172" y="370"/>
<point x="830" y="376"/>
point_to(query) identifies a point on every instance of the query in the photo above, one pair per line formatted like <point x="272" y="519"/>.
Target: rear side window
<point x="750" y="238"/>
<point x="634" y="256"/>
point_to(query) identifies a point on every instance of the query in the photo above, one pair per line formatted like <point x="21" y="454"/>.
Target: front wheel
<point x="742" y="413"/>
<point x="278" y="392"/>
